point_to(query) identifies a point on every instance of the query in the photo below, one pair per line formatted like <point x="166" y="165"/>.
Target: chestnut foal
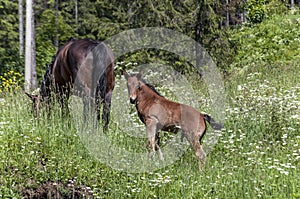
<point x="159" y="113"/>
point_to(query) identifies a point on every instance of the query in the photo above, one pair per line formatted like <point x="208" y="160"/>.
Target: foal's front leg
<point x="151" y="125"/>
<point x="157" y="139"/>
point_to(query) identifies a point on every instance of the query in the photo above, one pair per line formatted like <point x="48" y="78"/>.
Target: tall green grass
<point x="258" y="154"/>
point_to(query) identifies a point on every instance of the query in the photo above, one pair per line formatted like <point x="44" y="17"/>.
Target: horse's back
<point x="75" y="62"/>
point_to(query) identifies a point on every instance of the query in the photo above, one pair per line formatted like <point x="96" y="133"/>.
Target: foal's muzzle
<point x="132" y="101"/>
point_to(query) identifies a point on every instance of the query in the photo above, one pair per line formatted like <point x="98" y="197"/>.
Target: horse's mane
<point x="151" y="87"/>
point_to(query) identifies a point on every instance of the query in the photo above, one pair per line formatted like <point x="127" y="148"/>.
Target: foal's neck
<point x="146" y="92"/>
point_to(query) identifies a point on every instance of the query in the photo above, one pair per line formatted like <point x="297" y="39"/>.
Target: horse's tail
<point x="212" y="122"/>
<point x="99" y="69"/>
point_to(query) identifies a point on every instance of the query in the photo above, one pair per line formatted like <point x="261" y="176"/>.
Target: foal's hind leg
<point x="200" y="154"/>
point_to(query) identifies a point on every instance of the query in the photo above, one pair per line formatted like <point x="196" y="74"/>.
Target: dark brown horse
<point x="159" y="113"/>
<point x="84" y="66"/>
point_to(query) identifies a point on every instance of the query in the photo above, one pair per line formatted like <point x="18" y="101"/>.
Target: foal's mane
<point x="151" y="87"/>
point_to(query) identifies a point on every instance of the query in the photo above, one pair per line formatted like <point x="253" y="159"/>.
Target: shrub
<point x="10" y="81"/>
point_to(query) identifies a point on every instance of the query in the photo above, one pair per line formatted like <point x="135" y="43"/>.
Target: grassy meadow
<point x="257" y="154"/>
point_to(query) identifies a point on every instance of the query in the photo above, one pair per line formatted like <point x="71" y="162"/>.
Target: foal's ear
<point x="139" y="75"/>
<point x="126" y="75"/>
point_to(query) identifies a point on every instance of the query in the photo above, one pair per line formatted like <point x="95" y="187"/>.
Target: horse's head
<point x="36" y="102"/>
<point x="133" y="86"/>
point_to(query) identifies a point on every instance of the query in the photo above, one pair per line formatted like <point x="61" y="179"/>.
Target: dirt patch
<point x="57" y="190"/>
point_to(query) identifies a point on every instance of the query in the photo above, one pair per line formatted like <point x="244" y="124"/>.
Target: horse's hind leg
<point x="85" y="100"/>
<point x="98" y="102"/>
<point x="106" y="110"/>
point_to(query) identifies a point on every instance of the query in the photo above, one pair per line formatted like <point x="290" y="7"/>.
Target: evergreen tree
<point x="9" y="37"/>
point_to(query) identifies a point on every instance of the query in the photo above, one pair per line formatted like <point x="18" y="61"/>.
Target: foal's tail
<point x="212" y="122"/>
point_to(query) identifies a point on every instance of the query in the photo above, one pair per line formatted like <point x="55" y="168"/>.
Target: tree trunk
<point x="33" y="55"/>
<point x="21" y="28"/>
<point x="56" y="42"/>
<point x="292" y="5"/>
<point x="227" y="14"/>
<point x="243" y="12"/>
<point x="199" y="33"/>
<point x="76" y="15"/>
<point x="28" y="46"/>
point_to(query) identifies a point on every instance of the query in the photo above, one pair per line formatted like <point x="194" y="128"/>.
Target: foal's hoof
<point x="161" y="157"/>
<point x="201" y="166"/>
<point x="105" y="129"/>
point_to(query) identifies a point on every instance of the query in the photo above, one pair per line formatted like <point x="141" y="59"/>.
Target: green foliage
<point x="45" y="51"/>
<point x="213" y="38"/>
<point x="100" y="19"/>
<point x="9" y="45"/>
<point x="275" y="7"/>
<point x="56" y="23"/>
<point x="274" y="41"/>
<point x="257" y="11"/>
<point x="10" y="81"/>
<point x="264" y="9"/>
<point x="46" y="31"/>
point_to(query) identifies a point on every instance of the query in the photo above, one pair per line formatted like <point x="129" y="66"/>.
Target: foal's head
<point x="133" y="85"/>
<point x="39" y="99"/>
<point x="36" y="102"/>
